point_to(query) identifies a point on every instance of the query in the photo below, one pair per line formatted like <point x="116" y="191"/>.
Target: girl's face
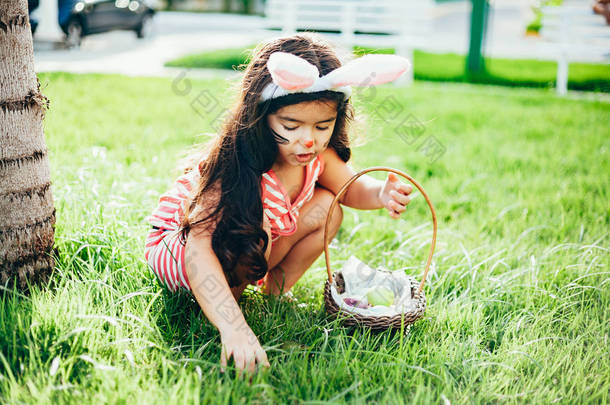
<point x="302" y="131"/>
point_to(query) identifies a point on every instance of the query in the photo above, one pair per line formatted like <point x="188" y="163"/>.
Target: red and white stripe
<point x="164" y="251"/>
<point x="281" y="213"/>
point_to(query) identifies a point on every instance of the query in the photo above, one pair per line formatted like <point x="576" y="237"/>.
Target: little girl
<point x="252" y="209"/>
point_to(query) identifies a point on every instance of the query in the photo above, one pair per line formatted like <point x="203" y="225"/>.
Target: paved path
<point x="179" y="33"/>
<point x="175" y="34"/>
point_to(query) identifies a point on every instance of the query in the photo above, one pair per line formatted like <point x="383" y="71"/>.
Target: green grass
<point x="518" y="301"/>
<point x="229" y="58"/>
<point x="447" y="67"/>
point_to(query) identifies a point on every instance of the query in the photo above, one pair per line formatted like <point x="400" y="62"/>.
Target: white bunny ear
<point x="369" y="70"/>
<point x="291" y="72"/>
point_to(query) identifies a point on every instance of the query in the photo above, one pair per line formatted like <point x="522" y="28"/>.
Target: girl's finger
<point x="251" y="363"/>
<point x="223" y="358"/>
<point x="240" y="361"/>
<point x="404" y="188"/>
<point x="261" y="357"/>
<point x="401" y="198"/>
<point x="397" y="207"/>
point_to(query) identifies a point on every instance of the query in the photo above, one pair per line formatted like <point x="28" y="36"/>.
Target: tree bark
<point x="27" y="214"/>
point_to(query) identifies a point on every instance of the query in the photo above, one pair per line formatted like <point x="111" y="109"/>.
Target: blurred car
<point x="78" y="18"/>
<point x="33" y="5"/>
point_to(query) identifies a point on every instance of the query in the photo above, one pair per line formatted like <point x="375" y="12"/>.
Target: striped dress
<point x="164" y="250"/>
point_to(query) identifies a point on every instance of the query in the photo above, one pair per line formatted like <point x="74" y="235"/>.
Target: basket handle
<point x="342" y="191"/>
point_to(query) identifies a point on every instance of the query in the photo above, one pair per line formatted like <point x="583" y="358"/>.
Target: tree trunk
<point x="27" y="214"/>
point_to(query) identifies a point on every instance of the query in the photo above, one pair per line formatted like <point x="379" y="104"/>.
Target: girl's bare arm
<point x="366" y="192"/>
<point x="204" y="271"/>
<point x="209" y="284"/>
<point x="362" y="194"/>
<point x="212" y="292"/>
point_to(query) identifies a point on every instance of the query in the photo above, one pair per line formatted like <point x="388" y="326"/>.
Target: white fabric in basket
<point x="359" y="278"/>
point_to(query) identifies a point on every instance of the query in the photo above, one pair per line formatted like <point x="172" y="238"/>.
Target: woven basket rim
<point x="375" y="321"/>
<point x="378" y="321"/>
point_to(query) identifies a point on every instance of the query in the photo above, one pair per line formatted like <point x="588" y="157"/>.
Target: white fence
<point x="399" y="24"/>
<point x="571" y="30"/>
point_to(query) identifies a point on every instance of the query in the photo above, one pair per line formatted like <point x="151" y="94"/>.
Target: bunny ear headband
<point x="293" y="74"/>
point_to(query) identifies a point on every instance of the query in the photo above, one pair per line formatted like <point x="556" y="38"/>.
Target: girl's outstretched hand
<point x="245" y="348"/>
<point x="394" y="195"/>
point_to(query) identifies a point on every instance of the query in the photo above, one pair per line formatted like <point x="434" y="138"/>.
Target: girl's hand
<point x="394" y="195"/>
<point x="245" y="348"/>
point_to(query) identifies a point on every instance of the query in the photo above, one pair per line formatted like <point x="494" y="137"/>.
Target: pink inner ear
<point x="387" y="76"/>
<point x="370" y="70"/>
<point x="291" y="81"/>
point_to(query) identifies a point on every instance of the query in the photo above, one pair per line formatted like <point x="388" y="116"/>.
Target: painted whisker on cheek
<point x="279" y="138"/>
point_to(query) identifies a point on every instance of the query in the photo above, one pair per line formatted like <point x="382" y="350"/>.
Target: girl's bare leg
<point x="292" y="255"/>
<point x="242" y="270"/>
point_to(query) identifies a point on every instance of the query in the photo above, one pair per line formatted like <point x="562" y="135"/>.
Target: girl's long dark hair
<point x="246" y="148"/>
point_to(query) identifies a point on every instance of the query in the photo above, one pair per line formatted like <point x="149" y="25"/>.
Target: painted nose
<point x="308" y="144"/>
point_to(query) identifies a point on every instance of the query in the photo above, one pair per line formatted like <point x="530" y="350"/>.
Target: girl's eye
<point x="289" y="129"/>
<point x="322" y="129"/>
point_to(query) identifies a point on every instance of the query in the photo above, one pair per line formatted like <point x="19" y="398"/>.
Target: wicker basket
<point x="376" y="322"/>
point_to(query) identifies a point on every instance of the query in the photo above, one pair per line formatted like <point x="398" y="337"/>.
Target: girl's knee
<point x="336" y="220"/>
<point x="337" y="215"/>
<point x="325" y="200"/>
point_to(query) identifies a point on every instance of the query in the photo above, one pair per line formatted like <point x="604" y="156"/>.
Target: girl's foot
<point x="286" y="296"/>
<point x="289" y="296"/>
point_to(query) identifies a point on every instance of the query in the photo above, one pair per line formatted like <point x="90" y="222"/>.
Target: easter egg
<point x="353" y="302"/>
<point x="380" y="296"/>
